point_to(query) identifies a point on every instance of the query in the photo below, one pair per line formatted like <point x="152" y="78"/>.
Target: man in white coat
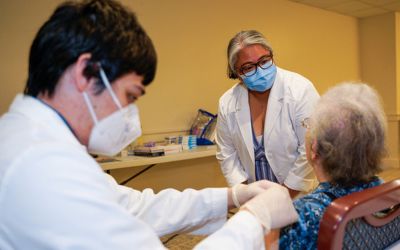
<point x="88" y="64"/>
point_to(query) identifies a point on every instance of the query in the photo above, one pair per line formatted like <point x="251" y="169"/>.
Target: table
<point x="138" y="161"/>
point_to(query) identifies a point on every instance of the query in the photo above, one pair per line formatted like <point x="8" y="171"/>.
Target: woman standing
<point x="259" y="132"/>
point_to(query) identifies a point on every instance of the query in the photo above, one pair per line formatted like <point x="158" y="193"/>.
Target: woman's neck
<point x="319" y="173"/>
<point x="259" y="96"/>
<point x="258" y="103"/>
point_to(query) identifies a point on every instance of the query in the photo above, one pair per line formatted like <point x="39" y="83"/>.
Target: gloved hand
<point x="273" y="208"/>
<point x="241" y="193"/>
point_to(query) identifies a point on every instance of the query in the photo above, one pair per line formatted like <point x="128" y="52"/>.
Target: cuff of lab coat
<point x="219" y="212"/>
<point x="298" y="183"/>
<point x="250" y="222"/>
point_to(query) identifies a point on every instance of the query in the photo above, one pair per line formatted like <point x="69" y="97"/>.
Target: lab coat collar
<point x="42" y="114"/>
<point x="275" y="101"/>
<point x="274" y="108"/>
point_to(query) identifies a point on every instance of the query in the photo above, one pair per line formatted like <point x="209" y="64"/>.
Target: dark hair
<point x="103" y="28"/>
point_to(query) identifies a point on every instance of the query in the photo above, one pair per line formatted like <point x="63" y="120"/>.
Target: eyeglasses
<point x="249" y="69"/>
<point x="306" y="123"/>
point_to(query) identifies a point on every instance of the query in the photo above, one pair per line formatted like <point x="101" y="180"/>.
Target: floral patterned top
<point x="304" y="233"/>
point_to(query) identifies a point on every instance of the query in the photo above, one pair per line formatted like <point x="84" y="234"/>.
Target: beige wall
<point x="19" y="22"/>
<point x="397" y="62"/>
<point x="378" y="57"/>
<point x="380" y="67"/>
<point x="191" y="39"/>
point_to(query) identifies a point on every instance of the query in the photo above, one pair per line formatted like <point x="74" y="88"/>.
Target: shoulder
<point x="304" y="233"/>
<point x="293" y="79"/>
<point x="312" y="205"/>
<point x="51" y="168"/>
<point x="51" y="179"/>
<point x="228" y="101"/>
<point x="64" y="192"/>
<point x="231" y="93"/>
<point x="375" y="181"/>
<point x="295" y="85"/>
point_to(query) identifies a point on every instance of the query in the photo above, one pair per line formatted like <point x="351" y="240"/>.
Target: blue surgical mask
<point x="262" y="80"/>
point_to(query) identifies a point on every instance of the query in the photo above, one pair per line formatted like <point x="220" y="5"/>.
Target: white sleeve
<point x="301" y="176"/>
<point x="226" y="152"/>
<point x="197" y="212"/>
<point x="242" y="231"/>
<point x="54" y="198"/>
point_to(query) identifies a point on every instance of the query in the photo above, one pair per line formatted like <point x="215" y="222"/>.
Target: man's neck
<point x="71" y="112"/>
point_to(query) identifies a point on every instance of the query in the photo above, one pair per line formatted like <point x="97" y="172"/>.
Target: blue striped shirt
<point x="263" y="169"/>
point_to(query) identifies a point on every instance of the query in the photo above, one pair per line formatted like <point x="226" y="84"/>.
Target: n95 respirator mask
<point x="116" y="131"/>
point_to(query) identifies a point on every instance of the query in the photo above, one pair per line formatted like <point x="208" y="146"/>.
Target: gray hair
<point x="240" y="41"/>
<point x="349" y="126"/>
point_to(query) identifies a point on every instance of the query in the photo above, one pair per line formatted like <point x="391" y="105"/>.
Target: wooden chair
<point x="369" y="219"/>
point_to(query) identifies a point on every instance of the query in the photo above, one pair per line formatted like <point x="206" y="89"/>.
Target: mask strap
<point x="90" y="107"/>
<point x="108" y="86"/>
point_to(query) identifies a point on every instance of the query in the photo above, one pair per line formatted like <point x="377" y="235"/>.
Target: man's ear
<point x="82" y="81"/>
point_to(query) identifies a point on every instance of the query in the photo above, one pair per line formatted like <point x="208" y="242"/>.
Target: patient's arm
<point x="293" y="193"/>
<point x="272" y="240"/>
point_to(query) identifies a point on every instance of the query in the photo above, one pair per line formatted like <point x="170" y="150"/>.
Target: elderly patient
<point x="345" y="142"/>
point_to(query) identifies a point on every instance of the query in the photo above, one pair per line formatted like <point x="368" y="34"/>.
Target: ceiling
<point x="356" y="8"/>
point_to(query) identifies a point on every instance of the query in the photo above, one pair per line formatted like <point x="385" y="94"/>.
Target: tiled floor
<point x="183" y="242"/>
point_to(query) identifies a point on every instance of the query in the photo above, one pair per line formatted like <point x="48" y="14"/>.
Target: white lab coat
<point x="53" y="195"/>
<point x="292" y="99"/>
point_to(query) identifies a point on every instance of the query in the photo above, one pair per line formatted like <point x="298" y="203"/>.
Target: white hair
<point x="349" y="126"/>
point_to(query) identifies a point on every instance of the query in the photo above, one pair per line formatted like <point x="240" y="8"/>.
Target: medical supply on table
<point x="172" y="148"/>
<point x="188" y="142"/>
<point x="147" y="151"/>
<point x="155" y="149"/>
<point x="204" y="127"/>
<point x="124" y="153"/>
<point x="150" y="144"/>
<point x="172" y="140"/>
